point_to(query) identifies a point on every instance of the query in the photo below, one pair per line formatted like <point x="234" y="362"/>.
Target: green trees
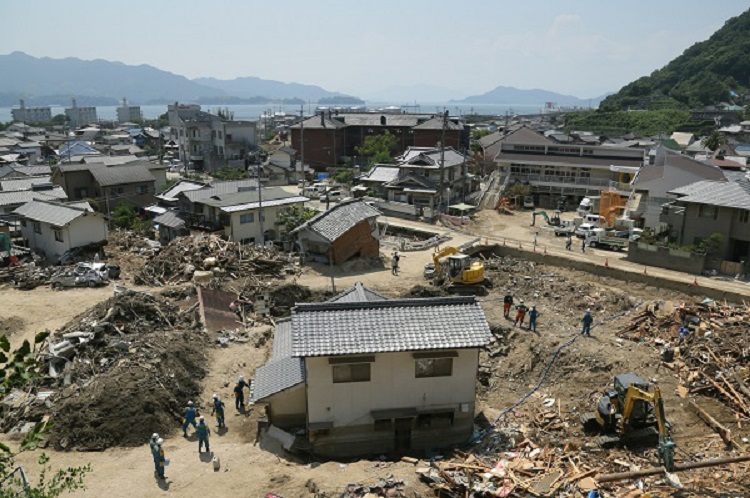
<point x="378" y="149"/>
<point x="475" y="136"/>
<point x="229" y="174"/>
<point x="293" y="216"/>
<point x="714" y="141"/>
<point x="124" y="216"/>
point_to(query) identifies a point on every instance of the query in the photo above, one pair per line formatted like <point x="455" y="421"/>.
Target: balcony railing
<point x="568" y="181"/>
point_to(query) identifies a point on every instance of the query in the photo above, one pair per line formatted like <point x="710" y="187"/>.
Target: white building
<point x="32" y="114"/>
<point x="129" y="113"/>
<point x="363" y="374"/>
<point x="80" y="116"/>
<point x="51" y="228"/>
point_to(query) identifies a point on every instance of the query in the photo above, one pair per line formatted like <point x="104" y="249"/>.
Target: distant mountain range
<point x="43" y="80"/>
<point x="47" y="81"/>
<point x="515" y="96"/>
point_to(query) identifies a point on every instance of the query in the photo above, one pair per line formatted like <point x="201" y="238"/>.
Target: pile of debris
<point x="388" y="487"/>
<point x="710" y="345"/>
<point x="117" y="373"/>
<point x="124" y="240"/>
<point x="209" y="259"/>
<point x="29" y="276"/>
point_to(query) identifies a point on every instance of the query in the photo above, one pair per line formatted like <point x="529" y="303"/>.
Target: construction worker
<point x="569" y="243"/>
<point x="587" y="321"/>
<point x="218" y="410"/>
<point x="239" y="394"/>
<point x="189" y="417"/>
<point x="533" y="315"/>
<point x="507" y="303"/>
<point x="154" y="451"/>
<point x="203" y="432"/>
<point x="521" y="310"/>
<point x="159" y="455"/>
<point x="394" y="262"/>
<point x="583" y="245"/>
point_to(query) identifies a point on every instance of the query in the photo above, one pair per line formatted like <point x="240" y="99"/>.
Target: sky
<point x="578" y="47"/>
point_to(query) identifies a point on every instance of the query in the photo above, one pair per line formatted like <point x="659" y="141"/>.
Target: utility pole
<point x="442" y="162"/>
<point x="260" y="207"/>
<point x="302" y="144"/>
<point x="463" y="182"/>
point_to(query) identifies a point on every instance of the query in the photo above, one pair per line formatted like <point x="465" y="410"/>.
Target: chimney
<point x="382" y="120"/>
<point x="23" y="104"/>
<point x="323" y="119"/>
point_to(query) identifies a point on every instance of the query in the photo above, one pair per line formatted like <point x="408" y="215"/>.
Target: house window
<point x="59" y="235"/>
<point x="219" y="134"/>
<point x="37" y="227"/>
<point x="743" y="216"/>
<point x="435" y="420"/>
<point x="706" y="211"/>
<point x="141" y="189"/>
<point x="80" y="193"/>
<point x="249" y="241"/>
<point x="355" y="372"/>
<point x="433" y="367"/>
<point x="247" y="218"/>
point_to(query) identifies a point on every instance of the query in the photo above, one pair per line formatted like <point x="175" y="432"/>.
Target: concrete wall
<point x="664" y="257"/>
<point x="393" y="385"/>
<point x="287" y="408"/>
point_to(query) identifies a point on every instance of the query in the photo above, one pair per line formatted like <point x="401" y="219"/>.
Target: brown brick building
<point x="329" y="138"/>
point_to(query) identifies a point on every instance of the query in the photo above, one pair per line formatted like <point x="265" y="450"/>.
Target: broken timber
<point x="725" y="433"/>
<point x="621" y="476"/>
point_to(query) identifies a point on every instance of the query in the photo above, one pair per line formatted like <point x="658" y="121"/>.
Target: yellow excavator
<point x="632" y="413"/>
<point x="457" y="273"/>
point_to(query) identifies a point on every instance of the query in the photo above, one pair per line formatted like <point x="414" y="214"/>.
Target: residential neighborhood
<point x="344" y="261"/>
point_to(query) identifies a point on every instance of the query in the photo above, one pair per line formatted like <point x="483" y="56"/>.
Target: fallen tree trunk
<point x="621" y="476"/>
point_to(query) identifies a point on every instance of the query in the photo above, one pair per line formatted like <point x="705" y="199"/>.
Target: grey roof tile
<point x="382" y="174"/>
<point x="356" y="294"/>
<point x="23" y="183"/>
<point x="282" y="340"/>
<point x="170" y="219"/>
<point x="221" y="188"/>
<point x="436" y="123"/>
<point x="338" y="220"/>
<point x="121" y="174"/>
<point x="24" y="196"/>
<point x="54" y="213"/>
<point x="734" y="194"/>
<point x="388" y="326"/>
<point x="276" y="376"/>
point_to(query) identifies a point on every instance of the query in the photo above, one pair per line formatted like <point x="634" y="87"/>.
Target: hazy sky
<point x="578" y="47"/>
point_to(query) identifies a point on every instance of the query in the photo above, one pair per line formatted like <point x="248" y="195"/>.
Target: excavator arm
<point x="654" y="398"/>
<point x="436" y="257"/>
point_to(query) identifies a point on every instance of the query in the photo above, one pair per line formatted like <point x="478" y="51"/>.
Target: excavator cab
<point x="457" y="264"/>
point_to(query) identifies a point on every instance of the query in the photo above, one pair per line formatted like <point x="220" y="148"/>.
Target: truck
<point x="599" y="238"/>
<point x="589" y="205"/>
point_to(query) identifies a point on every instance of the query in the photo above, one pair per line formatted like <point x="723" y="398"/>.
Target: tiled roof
<point x="77" y="148"/>
<point x="356" y="294"/>
<point x="174" y="191"/>
<point x="436" y="123"/>
<point x="106" y="176"/>
<point x="36" y="170"/>
<point x="249" y="199"/>
<point x="338" y="220"/>
<point x="325" y="329"/>
<point x="276" y="376"/>
<point x="22" y="183"/>
<point x="221" y="188"/>
<point x="382" y="174"/>
<point x="54" y="213"/>
<point x="726" y="194"/>
<point x="316" y="123"/>
<point x="282" y="339"/>
<point x="23" y="196"/>
<point x="374" y="119"/>
<point x="431" y="158"/>
<point x="170" y="219"/>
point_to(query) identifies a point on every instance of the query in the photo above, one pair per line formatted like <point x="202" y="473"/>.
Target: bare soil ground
<point x="579" y="375"/>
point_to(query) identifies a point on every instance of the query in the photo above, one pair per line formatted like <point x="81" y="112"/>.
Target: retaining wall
<point x="602" y="271"/>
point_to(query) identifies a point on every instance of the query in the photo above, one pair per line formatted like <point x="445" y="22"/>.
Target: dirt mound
<point x="177" y="261"/>
<point x="423" y="291"/>
<point x="123" y="370"/>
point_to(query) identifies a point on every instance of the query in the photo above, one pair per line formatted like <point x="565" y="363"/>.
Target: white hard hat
<point x="160" y="441"/>
<point x="154" y="436"/>
<point x="216" y="396"/>
<point x="241" y="377"/>
<point x="201" y="418"/>
<point x="588" y="310"/>
<point x="190" y="403"/>
<point x="521" y="300"/>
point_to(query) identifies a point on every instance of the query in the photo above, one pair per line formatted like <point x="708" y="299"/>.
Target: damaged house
<point x="347" y="230"/>
<point x="364" y="374"/>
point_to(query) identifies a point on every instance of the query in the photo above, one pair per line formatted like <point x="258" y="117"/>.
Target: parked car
<point x="583" y="229"/>
<point x="332" y="196"/>
<point x="72" y="278"/>
<point x="106" y="270"/>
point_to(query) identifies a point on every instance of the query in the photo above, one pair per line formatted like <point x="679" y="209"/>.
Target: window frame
<point x="58" y="234"/>
<point x="37" y="226"/>
<point x="244" y="220"/>
<point x="433" y="367"/>
<point x="347" y="373"/>
<point x="743" y="216"/>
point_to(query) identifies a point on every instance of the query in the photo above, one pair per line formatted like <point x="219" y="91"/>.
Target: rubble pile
<point x="387" y="487"/>
<point x="711" y="354"/>
<point x="211" y="258"/>
<point x="283" y="297"/>
<point x="27" y="277"/>
<point x="117" y="373"/>
<point x="124" y="240"/>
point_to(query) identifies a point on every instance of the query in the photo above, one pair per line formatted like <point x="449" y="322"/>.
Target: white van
<point x="332" y="196"/>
